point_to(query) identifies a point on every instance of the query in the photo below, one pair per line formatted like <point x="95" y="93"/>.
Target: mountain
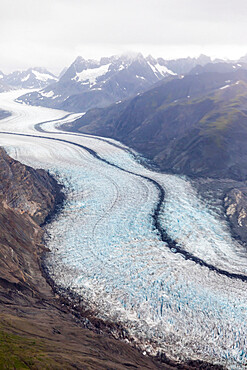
<point x="185" y="65"/>
<point x="31" y="78"/>
<point x="243" y="59"/>
<point x="89" y="83"/>
<point x="220" y="67"/>
<point x="194" y="125"/>
<point x="62" y="72"/>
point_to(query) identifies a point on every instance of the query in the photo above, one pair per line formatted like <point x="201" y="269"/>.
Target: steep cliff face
<point x="26" y="198"/>
<point x="31" y="192"/>
<point x="235" y="203"/>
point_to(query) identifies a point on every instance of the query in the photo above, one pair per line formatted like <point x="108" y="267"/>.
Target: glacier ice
<point x="105" y="247"/>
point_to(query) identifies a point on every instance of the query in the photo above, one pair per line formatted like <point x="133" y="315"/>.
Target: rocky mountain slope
<point x="194" y="125"/>
<point x="89" y="83"/>
<point x="185" y="65"/>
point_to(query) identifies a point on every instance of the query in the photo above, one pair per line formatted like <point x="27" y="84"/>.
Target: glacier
<point x="105" y="246"/>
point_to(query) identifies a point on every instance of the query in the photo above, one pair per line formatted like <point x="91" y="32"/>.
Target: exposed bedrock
<point x="235" y="203"/>
<point x="229" y="197"/>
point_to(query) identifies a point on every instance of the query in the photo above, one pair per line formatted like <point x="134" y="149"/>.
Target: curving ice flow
<point x="106" y="244"/>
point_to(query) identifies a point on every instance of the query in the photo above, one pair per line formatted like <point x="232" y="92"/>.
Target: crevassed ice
<point x="103" y="246"/>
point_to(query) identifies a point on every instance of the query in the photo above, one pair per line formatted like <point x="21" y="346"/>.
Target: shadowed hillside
<point x="194" y="125"/>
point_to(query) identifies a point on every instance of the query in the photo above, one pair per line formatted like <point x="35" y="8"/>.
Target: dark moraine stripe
<point x="169" y="242"/>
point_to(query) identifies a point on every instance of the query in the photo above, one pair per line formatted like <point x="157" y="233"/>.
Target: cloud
<point x="51" y="32"/>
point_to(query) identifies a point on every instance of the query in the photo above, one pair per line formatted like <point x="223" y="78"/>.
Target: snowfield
<point x="105" y="244"/>
<point x="91" y="75"/>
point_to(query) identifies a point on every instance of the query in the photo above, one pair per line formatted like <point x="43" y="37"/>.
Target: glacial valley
<point x="141" y="247"/>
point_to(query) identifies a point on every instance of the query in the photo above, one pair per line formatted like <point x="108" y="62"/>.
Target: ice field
<point x="106" y="244"/>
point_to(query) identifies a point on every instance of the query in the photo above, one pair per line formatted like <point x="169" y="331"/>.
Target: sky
<point x="52" y="33"/>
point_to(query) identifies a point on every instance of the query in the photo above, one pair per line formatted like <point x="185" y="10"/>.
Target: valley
<point x="141" y="247"/>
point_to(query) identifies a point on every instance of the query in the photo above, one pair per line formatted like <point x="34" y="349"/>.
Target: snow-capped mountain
<point x="31" y="78"/>
<point x="90" y="83"/>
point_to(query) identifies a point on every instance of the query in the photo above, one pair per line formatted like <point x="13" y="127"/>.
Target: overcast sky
<point x="51" y="33"/>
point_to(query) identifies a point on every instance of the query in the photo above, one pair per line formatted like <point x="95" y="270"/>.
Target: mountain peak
<point x="79" y="59"/>
<point x="132" y="56"/>
<point x="204" y="59"/>
<point x="151" y="59"/>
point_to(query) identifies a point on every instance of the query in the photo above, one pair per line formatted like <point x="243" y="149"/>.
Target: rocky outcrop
<point x="235" y="203"/>
<point x="4" y="113"/>
<point x="227" y="198"/>
<point x="27" y="197"/>
<point x="32" y="192"/>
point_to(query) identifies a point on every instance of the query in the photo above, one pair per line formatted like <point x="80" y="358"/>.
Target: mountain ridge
<point x="32" y="78"/>
<point x="197" y="111"/>
<point x="90" y="83"/>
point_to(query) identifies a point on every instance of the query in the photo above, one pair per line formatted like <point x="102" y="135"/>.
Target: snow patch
<point x="224" y="87"/>
<point x="43" y="76"/>
<point x="25" y="78"/>
<point x="92" y="74"/>
<point x="142" y="78"/>
<point x="164" y="70"/>
<point x="161" y="70"/>
<point x="48" y="94"/>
